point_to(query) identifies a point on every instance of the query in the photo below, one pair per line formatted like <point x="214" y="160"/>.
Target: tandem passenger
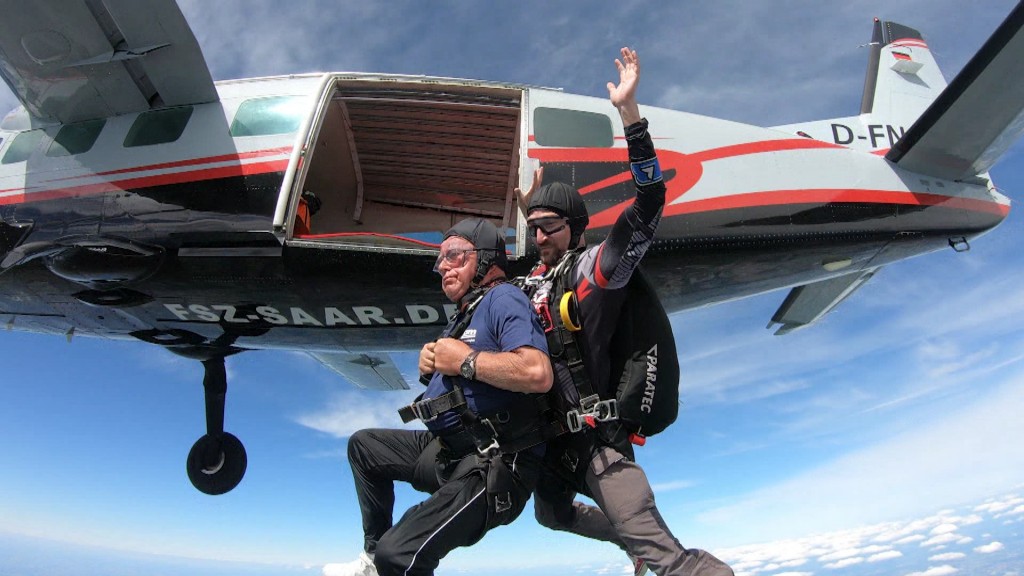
<point x="482" y="455"/>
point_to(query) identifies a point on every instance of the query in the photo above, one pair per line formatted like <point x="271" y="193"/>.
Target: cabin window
<point x="158" y="127"/>
<point x="23" y="146"/>
<point x="266" y="116"/>
<point x="572" y="128"/>
<point x="76" y="138"/>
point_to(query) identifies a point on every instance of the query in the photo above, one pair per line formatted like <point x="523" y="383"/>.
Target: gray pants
<point x="626" y="516"/>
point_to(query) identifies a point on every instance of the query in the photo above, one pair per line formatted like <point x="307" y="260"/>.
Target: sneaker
<point x="639" y="566"/>
<point x="363" y="566"/>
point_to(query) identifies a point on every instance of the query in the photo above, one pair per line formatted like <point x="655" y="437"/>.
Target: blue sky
<point x="898" y="414"/>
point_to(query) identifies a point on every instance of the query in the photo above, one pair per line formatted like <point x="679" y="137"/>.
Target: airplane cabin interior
<point x="395" y="164"/>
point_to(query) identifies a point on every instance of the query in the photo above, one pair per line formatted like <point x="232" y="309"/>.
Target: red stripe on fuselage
<point x="371" y="234"/>
<point x="622" y="155"/>
<point x="190" y="162"/>
<point x="150" y="181"/>
<point x="834" y="196"/>
<point x="689" y="169"/>
<point x="761" y="148"/>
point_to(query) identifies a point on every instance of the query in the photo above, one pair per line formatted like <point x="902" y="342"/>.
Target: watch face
<point x="468" y="368"/>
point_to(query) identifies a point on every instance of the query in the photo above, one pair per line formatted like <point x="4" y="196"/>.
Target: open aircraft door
<point x="391" y="162"/>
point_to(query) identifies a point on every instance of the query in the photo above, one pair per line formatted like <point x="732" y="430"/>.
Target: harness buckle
<point x="606" y="410"/>
<point x="588" y="403"/>
<point x="492" y="449"/>
<point x="422" y="411"/>
<point x="574" y="421"/>
<point x="593" y="410"/>
<point x="501" y="505"/>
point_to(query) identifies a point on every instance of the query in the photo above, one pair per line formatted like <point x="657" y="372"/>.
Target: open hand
<point x="524" y="199"/>
<point x="623" y="96"/>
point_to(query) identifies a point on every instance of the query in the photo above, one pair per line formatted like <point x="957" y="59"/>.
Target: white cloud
<point x="970" y="520"/>
<point x="996" y="506"/>
<point x="940" y="539"/>
<point x="943" y="570"/>
<point x="989" y="548"/>
<point x="844" y="563"/>
<point x="843" y="548"/>
<point x="341" y="569"/>
<point x="946" y="557"/>
<point x="895" y="477"/>
<point x="743" y="565"/>
<point x="888" y="555"/>
<point x="671" y="486"/>
<point x="347" y="412"/>
<point x="1016" y="511"/>
<point x="944" y="529"/>
<point x="839" y="554"/>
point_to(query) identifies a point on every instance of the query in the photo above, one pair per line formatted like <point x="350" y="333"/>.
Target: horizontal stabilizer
<point x="376" y="371"/>
<point x="69" y="61"/>
<point x="977" y="117"/>
<point x="806" y="304"/>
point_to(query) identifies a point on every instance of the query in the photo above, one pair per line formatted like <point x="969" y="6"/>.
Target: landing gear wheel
<point x="216" y="463"/>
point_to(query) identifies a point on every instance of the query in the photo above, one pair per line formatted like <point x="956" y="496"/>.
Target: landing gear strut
<point x="217" y="461"/>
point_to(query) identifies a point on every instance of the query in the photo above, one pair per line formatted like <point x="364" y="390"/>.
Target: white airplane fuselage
<point x="200" y="232"/>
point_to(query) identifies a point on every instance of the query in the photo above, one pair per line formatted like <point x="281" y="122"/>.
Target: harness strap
<point x="566" y="340"/>
<point x="459" y="321"/>
<point x="431" y="408"/>
<point x="519" y="428"/>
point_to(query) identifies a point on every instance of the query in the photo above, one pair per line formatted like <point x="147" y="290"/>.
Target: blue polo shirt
<point x="503" y="321"/>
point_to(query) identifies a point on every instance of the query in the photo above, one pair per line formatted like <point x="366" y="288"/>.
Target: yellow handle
<point x="569" y="311"/>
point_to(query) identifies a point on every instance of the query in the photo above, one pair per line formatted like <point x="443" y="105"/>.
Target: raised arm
<point x="615" y="259"/>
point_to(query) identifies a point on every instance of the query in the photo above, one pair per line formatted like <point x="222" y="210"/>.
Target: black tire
<point x="216" y="464"/>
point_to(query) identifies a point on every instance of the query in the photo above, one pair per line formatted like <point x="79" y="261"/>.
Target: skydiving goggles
<point x="456" y="257"/>
<point x="550" y="225"/>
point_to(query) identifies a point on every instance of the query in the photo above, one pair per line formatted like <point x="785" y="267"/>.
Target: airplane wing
<point x="806" y="304"/>
<point x="977" y="117"/>
<point x="376" y="371"/>
<point x="74" y="60"/>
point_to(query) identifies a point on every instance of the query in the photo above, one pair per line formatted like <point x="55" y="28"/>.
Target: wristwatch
<point x="468" y="368"/>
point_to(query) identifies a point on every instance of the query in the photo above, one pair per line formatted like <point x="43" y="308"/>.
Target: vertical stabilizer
<point x="902" y="77"/>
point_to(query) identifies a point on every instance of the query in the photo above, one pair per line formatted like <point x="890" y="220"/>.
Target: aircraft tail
<point x="978" y="117"/>
<point x="902" y="78"/>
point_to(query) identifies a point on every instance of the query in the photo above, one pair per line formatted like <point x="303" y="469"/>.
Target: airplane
<point x="141" y="200"/>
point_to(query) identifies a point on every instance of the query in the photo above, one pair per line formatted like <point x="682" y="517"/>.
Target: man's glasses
<point x="548" y="226"/>
<point x="456" y="257"/>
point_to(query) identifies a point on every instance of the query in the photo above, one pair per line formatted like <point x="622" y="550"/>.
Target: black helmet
<point x="488" y="241"/>
<point x="565" y="201"/>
